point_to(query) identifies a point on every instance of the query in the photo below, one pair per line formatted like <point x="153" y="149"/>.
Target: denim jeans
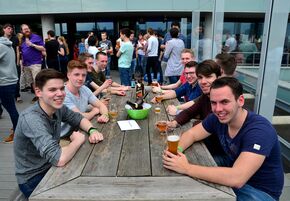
<point x="7" y="95"/>
<point x="132" y="68"/>
<point x="125" y="76"/>
<point x="152" y="63"/>
<point x="141" y="64"/>
<point x="28" y="187"/>
<point x="173" y="79"/>
<point x="108" y="70"/>
<point x="249" y="193"/>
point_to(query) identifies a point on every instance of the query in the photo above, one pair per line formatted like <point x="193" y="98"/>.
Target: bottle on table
<point x="139" y="85"/>
<point x="136" y="106"/>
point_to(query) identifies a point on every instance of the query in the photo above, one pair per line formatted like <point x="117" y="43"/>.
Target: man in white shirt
<point x="152" y="52"/>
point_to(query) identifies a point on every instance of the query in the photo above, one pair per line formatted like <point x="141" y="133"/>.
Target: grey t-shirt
<point x="71" y="101"/>
<point x="36" y="141"/>
<point x="173" y="51"/>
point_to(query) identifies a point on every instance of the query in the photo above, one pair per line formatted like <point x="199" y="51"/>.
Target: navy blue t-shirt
<point x="257" y="135"/>
<point x="189" y="92"/>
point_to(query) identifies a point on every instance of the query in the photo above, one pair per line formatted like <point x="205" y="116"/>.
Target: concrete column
<point x="47" y="22"/>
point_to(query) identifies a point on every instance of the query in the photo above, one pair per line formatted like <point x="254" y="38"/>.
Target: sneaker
<point x="34" y="99"/>
<point x="10" y="138"/>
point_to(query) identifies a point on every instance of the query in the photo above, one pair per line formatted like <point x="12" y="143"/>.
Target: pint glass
<point x="172" y="140"/>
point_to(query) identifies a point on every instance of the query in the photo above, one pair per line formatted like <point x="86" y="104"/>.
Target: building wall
<point x="84" y="6"/>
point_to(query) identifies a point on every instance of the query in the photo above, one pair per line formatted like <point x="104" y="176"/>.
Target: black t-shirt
<point x="51" y="47"/>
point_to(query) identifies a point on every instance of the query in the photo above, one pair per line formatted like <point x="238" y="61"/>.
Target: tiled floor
<point x="7" y="178"/>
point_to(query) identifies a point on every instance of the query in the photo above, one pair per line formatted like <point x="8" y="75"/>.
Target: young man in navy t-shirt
<point x="253" y="166"/>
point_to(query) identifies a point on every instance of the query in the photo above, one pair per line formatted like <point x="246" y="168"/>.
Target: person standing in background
<point x="8" y="81"/>
<point x="133" y="62"/>
<point x="125" y="53"/>
<point x="152" y="52"/>
<point x="172" y="52"/>
<point x="81" y="46"/>
<point x="141" y="53"/>
<point x="52" y="47"/>
<point x="9" y="33"/>
<point x="63" y="53"/>
<point x="32" y="48"/>
<point x="106" y="47"/>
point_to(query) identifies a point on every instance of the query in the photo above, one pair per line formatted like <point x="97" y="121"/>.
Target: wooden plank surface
<point x="59" y="175"/>
<point x="104" y="159"/>
<point x="135" y="155"/>
<point x="133" y="188"/>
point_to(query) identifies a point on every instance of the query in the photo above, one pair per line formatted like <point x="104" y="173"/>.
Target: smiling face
<point x="102" y="61"/>
<point x="190" y="75"/>
<point x="186" y="57"/>
<point x="90" y="63"/>
<point x="25" y="30"/>
<point x="224" y="104"/>
<point x="77" y="77"/>
<point x="51" y="96"/>
<point x="205" y="82"/>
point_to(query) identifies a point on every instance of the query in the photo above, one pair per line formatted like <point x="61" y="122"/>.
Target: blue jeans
<point x="132" y="68"/>
<point x="125" y="76"/>
<point x="152" y="63"/>
<point x="249" y="193"/>
<point x="28" y="187"/>
<point x="108" y="71"/>
<point x="7" y="95"/>
<point x="141" y="64"/>
<point x="173" y="79"/>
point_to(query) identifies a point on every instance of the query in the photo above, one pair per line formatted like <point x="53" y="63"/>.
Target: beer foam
<point x="173" y="138"/>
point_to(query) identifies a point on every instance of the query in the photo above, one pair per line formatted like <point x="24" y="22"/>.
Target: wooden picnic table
<point x="127" y="165"/>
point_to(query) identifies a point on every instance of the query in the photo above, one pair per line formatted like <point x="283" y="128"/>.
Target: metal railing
<point x="253" y="58"/>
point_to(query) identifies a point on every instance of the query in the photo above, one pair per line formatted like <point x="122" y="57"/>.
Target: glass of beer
<point x="113" y="112"/>
<point x="172" y="140"/>
<point x="158" y="99"/>
<point x="161" y="127"/>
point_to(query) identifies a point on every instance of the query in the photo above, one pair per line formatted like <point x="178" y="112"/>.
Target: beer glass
<point x="113" y="112"/>
<point x="161" y="127"/>
<point x="158" y="99"/>
<point x="173" y="138"/>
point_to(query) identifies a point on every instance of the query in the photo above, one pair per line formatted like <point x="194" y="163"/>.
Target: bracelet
<point x="177" y="107"/>
<point x="179" y="148"/>
<point x="92" y="129"/>
<point x="106" y="114"/>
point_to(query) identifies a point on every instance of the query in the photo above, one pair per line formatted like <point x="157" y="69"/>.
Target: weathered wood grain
<point x="133" y="188"/>
<point x="59" y="175"/>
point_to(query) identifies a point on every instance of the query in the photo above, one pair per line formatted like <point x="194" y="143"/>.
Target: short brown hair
<point x="75" y="64"/>
<point x="186" y="50"/>
<point x="191" y="64"/>
<point x="45" y="75"/>
<point x="84" y="56"/>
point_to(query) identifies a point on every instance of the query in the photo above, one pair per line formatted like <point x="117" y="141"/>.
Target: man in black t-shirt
<point x="52" y="47"/>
